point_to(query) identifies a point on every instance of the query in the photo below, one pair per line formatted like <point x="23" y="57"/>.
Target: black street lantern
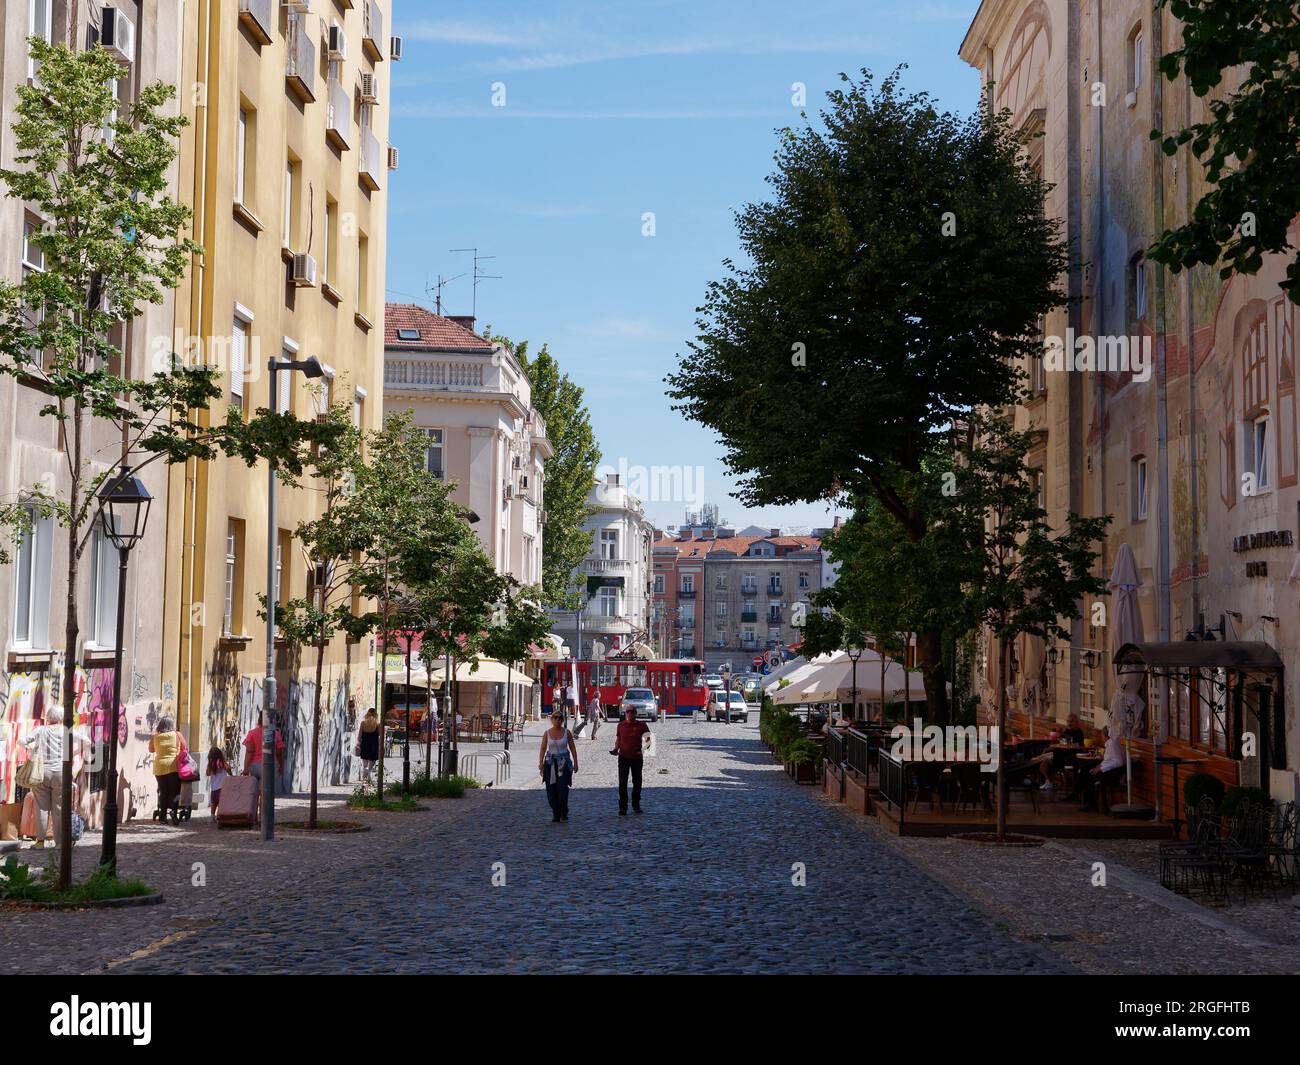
<point x="124" y="511"/>
<point x="124" y="508"/>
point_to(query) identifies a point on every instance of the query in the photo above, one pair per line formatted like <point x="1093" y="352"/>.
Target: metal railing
<point x="372" y="39"/>
<point x="857" y="752"/>
<point x="893" y="782"/>
<point x="338" y="118"/>
<point x="259" y="17"/>
<point x="300" y="59"/>
<point x="835" y="747"/>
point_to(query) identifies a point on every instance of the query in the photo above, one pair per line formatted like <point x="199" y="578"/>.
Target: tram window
<point x="550" y="676"/>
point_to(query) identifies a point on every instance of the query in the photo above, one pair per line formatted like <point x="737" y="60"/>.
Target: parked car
<point x="718" y="709"/>
<point x="642" y="700"/>
<point x="713" y="681"/>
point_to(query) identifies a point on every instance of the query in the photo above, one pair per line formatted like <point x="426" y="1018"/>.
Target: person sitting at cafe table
<point x="1109" y="771"/>
<point x="1073" y="731"/>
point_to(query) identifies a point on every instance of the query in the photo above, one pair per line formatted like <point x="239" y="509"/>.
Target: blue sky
<point x="612" y="110"/>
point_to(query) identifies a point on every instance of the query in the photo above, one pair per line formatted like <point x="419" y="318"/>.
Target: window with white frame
<point x="722" y="610"/>
<point x="749" y="582"/>
<point x="1257" y="448"/>
<point x="1139" y="488"/>
<point x="609" y="602"/>
<point x="688" y="582"/>
<point x="32" y="581"/>
<point x="659" y="584"/>
<point x="1136" y="58"/>
<point x="803" y="578"/>
<point x="609" y="544"/>
<point x="41" y="13"/>
<point x="433" y="453"/>
<point x="233" y="537"/>
<point x="238" y="358"/>
<point x="103" y="591"/>
<point x="243" y="144"/>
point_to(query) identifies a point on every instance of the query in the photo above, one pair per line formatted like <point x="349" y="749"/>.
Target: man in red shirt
<point x="629" y="745"/>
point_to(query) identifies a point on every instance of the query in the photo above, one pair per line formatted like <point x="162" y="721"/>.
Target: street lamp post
<point x="124" y="509"/>
<point x="726" y="706"/>
<point x="310" y="368"/>
<point x="855" y="652"/>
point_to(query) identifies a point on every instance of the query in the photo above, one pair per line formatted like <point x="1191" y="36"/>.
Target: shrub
<point x="1200" y="785"/>
<point x="1238" y="793"/>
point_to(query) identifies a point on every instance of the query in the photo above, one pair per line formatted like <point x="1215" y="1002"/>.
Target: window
<point x="284" y="379"/>
<point x="33" y="262"/>
<point x="749" y="583"/>
<point x="774" y="581"/>
<point x="1136" y="51"/>
<point x="103" y="591"/>
<point x="231" y="622"/>
<point x="289" y="229"/>
<point x="659" y="584"/>
<point x="359" y="410"/>
<point x="803" y="578"/>
<point x="609" y="544"/>
<point x="238" y="359"/>
<point x="433" y="457"/>
<point x="688" y="583"/>
<point x="1257" y="451"/>
<point x="722" y="610"/>
<point x="245" y="156"/>
<point x="720" y="582"/>
<point x="722" y="637"/>
<point x="773" y="612"/>
<point x="327" y="265"/>
<point x="283" y="566"/>
<point x="609" y="602"/>
<point x="32" y="581"/>
<point x="363" y="273"/>
<point x="42" y="23"/>
<point x="1140" y="287"/>
<point x="1139" y="489"/>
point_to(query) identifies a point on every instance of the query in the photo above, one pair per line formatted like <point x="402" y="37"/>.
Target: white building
<point x="616" y="574"/>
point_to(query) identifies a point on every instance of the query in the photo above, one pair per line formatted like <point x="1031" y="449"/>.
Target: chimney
<point x="466" y="320"/>
<point x="776" y="532"/>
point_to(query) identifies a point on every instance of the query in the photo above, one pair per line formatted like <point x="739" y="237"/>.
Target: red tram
<point x="678" y="683"/>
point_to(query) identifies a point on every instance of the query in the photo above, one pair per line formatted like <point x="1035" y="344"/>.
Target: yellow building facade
<point x="285" y="164"/>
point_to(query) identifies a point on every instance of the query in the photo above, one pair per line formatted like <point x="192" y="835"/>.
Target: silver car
<point x="643" y="701"/>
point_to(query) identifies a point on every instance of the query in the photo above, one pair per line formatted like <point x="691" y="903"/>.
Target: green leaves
<point x="1242" y="55"/>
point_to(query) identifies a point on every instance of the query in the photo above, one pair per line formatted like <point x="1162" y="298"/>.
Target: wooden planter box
<point x="806" y="773"/>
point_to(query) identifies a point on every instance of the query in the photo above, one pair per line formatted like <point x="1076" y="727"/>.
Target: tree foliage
<point x="1249" y="145"/>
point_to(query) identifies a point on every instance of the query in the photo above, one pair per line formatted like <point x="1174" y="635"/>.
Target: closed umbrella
<point x="1126" y="627"/>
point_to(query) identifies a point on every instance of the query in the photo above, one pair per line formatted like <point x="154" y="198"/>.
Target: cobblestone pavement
<point x="702" y="882"/>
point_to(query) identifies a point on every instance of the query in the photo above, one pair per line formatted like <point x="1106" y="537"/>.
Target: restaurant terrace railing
<point x="893" y="782"/>
<point x="835" y="747"/>
<point x="857" y="751"/>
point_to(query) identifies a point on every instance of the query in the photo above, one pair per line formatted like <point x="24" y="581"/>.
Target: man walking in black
<point x="629" y="745"/>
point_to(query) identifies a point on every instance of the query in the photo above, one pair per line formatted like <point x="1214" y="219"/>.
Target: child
<point x="218" y="771"/>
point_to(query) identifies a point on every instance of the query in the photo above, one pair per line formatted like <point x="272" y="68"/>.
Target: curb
<point x="128" y="902"/>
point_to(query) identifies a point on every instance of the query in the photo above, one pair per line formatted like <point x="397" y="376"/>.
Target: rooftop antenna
<point x="437" y="289"/>
<point x="478" y="276"/>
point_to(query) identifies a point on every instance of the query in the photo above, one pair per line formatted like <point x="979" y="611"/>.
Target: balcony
<point x="749" y="617"/>
<point x="448" y="374"/>
<point x="338" y="116"/>
<point x="372" y="40"/>
<point x="748" y="589"/>
<point x="372" y="161"/>
<point x="300" y="60"/>
<point x="258" y="17"/>
<point x="611" y="567"/>
<point x="774" y="618"/>
<point x="685" y="593"/>
<point x="774" y="588"/>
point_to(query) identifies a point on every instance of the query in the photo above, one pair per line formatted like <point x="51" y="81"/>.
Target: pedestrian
<point x="594" y="711"/>
<point x="368" y="744"/>
<point x="218" y="774"/>
<point x="629" y="744"/>
<point x="557" y="761"/>
<point x="570" y="705"/>
<point x="46" y="744"/>
<point x="253" y="749"/>
<point x="168" y="749"/>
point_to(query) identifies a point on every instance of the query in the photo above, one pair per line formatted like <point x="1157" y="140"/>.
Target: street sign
<point x="773" y="658"/>
<point x="597" y="651"/>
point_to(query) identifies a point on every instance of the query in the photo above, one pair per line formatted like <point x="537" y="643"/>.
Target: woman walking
<point x="557" y="761"/>
<point x="368" y="744"/>
<point x="169" y="751"/>
<point x="46" y="743"/>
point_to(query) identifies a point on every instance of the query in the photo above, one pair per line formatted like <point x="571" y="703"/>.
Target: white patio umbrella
<point x="1126" y="627"/>
<point x="834" y="682"/>
<point x="794" y="672"/>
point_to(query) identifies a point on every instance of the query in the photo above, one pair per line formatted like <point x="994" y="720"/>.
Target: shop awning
<point x="1200" y="654"/>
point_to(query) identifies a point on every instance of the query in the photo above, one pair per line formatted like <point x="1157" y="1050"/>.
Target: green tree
<point x="1249" y="145"/>
<point x="568" y="476"/>
<point x="95" y="170"/>
<point x="896" y="279"/>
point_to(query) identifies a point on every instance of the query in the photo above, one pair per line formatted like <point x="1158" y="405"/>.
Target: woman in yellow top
<point x="168" y="748"/>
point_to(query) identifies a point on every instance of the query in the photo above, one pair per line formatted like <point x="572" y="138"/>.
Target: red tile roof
<point x="436" y="332"/>
<point x="738" y="544"/>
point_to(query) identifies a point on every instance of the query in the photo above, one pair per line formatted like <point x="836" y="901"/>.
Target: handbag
<point x="31" y="772"/>
<point x="188" y="768"/>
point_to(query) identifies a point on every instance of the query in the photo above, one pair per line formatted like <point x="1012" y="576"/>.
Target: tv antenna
<point x="436" y="289"/>
<point x="478" y="276"/>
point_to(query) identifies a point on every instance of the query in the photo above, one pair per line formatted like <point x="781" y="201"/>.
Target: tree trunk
<point x="929" y="656"/>
<point x="1003" y="669"/>
<point x="315" y="729"/>
<point x="63" y="831"/>
<point x="383" y="686"/>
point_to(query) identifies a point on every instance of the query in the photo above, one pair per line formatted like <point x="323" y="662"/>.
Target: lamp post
<point x="124" y="509"/>
<point x="726" y="706"/>
<point x="855" y="652"/>
<point x="310" y="368"/>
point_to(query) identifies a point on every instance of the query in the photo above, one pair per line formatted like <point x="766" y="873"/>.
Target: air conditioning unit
<point x="303" y="274"/>
<point x="336" y="47"/>
<point x="395" y="48"/>
<point x="392" y="158"/>
<point x="117" y="34"/>
<point x="369" y="92"/>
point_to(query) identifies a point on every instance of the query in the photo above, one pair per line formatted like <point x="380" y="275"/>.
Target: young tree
<point x="1250" y="143"/>
<point x="1019" y="577"/>
<point x="568" y="476"/>
<point x="95" y="170"/>
<point x="333" y="543"/>
<point x="896" y="280"/>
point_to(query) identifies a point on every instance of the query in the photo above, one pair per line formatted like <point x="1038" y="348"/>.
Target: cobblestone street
<point x="702" y="882"/>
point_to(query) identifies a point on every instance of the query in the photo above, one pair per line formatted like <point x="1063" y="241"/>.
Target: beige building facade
<point x="285" y="165"/>
<point x="1190" y="444"/>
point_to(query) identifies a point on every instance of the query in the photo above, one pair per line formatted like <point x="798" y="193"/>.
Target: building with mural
<point x="32" y="587"/>
<point x="1184" y="429"/>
